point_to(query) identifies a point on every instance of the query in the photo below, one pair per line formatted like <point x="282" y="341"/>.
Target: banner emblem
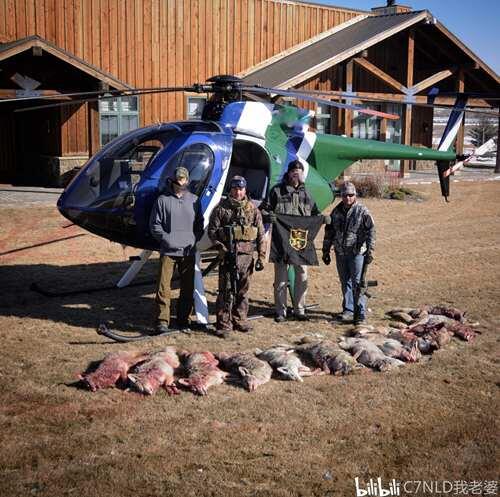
<point x="298" y="238"/>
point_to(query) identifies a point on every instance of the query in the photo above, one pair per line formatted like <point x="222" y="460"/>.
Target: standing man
<point x="290" y="197"/>
<point x="351" y="231"/>
<point x="237" y="218"/>
<point x="177" y="223"/>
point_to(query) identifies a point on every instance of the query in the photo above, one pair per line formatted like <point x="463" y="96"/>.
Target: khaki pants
<point x="281" y="287"/>
<point x="185" y="266"/>
<point x="228" y="315"/>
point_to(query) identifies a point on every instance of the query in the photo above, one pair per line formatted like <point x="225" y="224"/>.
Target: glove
<point x="272" y="217"/>
<point x="259" y="266"/>
<point x="369" y="257"/>
<point x="326" y="258"/>
<point x="327" y="219"/>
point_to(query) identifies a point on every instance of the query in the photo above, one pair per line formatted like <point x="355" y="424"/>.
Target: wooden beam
<point x="378" y="73"/>
<point x="459" y="147"/>
<point x="349" y="71"/>
<point x="93" y="128"/>
<point x="405" y="165"/>
<point x="431" y="80"/>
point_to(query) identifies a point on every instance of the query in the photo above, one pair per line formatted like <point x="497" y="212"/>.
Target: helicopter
<point x="239" y="133"/>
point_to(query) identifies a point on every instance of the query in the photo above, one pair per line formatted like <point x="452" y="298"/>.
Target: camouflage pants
<point x="228" y="315"/>
<point x="185" y="267"/>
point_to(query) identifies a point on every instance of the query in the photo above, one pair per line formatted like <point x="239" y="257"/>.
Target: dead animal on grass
<point x="328" y="356"/>
<point x="113" y="368"/>
<point x="285" y="362"/>
<point x="250" y="371"/>
<point x="368" y="354"/>
<point x="157" y="372"/>
<point x="202" y="372"/>
<point x="391" y="347"/>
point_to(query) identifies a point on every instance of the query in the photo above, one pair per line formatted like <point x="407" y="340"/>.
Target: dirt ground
<point x="434" y="420"/>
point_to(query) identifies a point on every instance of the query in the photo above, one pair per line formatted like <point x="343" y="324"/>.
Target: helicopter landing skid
<point x="104" y="330"/>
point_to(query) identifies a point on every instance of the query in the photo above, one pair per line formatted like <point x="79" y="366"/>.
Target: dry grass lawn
<point x="436" y="420"/>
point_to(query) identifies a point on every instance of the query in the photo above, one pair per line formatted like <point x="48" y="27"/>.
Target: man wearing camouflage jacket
<point x="239" y="212"/>
<point x="351" y="231"/>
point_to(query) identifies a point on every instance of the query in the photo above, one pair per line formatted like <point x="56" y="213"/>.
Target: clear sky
<point x="475" y="22"/>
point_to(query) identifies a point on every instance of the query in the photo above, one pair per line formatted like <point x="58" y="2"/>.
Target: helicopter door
<point x="205" y="155"/>
<point x="250" y="160"/>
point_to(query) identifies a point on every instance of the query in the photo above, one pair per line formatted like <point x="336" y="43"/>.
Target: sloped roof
<point x="13" y="48"/>
<point x="344" y="42"/>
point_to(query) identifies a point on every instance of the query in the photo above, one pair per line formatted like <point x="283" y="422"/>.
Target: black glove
<point x="272" y="217"/>
<point x="259" y="266"/>
<point x="369" y="257"/>
<point x="327" y="219"/>
<point x="326" y="258"/>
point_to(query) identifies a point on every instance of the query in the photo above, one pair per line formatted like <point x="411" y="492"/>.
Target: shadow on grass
<point x="130" y="309"/>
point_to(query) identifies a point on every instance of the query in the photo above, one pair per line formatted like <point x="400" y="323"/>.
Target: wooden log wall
<point x="151" y="43"/>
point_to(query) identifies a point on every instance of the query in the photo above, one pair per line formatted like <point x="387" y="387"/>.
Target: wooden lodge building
<point x="55" y="47"/>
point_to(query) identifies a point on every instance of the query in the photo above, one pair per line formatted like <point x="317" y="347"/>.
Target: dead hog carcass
<point x="202" y="372"/>
<point x="368" y="354"/>
<point x="327" y="356"/>
<point x="250" y="370"/>
<point x="114" y="367"/>
<point x="157" y="372"/>
<point x="285" y="362"/>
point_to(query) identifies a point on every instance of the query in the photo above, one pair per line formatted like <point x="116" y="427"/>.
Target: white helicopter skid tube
<point x="134" y="269"/>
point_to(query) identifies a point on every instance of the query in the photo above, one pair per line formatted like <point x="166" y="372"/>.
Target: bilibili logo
<point x="375" y="488"/>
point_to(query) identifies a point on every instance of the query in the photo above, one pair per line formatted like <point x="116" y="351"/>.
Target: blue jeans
<point x="349" y="268"/>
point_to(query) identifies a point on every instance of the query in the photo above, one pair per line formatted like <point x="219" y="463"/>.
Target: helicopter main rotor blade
<point x="341" y="94"/>
<point x="302" y="96"/>
<point x="108" y="93"/>
<point x="126" y="93"/>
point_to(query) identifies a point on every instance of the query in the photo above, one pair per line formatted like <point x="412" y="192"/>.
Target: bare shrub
<point x="372" y="185"/>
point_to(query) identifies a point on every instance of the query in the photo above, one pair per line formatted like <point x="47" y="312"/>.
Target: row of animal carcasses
<point x="380" y="348"/>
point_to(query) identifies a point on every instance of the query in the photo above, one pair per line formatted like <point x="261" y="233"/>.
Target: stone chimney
<point x="391" y="8"/>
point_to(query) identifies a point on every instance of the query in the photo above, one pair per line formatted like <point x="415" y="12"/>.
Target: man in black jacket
<point x="177" y="223"/>
<point x="351" y="231"/>
<point x="290" y="197"/>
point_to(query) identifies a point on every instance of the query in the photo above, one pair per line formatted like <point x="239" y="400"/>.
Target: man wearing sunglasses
<point x="352" y="234"/>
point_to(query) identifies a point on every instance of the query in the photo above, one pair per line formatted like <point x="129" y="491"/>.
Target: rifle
<point x="362" y="289"/>
<point x="230" y="265"/>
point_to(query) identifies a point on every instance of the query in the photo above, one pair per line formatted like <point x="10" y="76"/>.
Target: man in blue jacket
<point x="177" y="223"/>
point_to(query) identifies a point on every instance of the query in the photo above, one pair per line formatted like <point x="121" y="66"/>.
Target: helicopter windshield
<point x="198" y="159"/>
<point x="112" y="177"/>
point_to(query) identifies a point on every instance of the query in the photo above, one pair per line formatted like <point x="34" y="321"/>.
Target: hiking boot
<point x="183" y="326"/>
<point x="359" y="320"/>
<point x="346" y="317"/>
<point x="302" y="317"/>
<point x="279" y="319"/>
<point x="243" y="327"/>
<point x="161" y="328"/>
<point x="222" y="333"/>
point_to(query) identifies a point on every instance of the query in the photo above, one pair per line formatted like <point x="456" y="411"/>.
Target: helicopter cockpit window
<point x="113" y="177"/>
<point x="198" y="159"/>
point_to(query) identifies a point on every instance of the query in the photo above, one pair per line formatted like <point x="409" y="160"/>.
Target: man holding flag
<point x="296" y="221"/>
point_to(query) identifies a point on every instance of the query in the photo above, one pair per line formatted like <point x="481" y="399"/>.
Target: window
<point x="198" y="159"/>
<point x="195" y="107"/>
<point x="323" y="119"/>
<point x="365" y="126"/>
<point x="117" y="115"/>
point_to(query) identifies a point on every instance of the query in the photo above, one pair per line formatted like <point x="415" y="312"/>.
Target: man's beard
<point x="179" y="188"/>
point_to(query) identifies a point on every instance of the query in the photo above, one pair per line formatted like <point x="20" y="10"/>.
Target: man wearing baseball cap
<point x="176" y="223"/>
<point x="290" y="197"/>
<point x="351" y="231"/>
<point x="237" y="213"/>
